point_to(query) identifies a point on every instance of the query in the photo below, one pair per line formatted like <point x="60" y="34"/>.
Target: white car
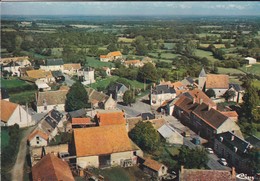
<point x="223" y="161"/>
<point x="209" y="150"/>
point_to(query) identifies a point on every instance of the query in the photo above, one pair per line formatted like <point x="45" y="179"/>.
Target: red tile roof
<point x="114" y="54"/>
<point x="217" y="81"/>
<point x="39" y="133"/>
<point x="51" y="167"/>
<point x="70" y="66"/>
<point x="150" y="163"/>
<point x="198" y="94"/>
<point x="230" y="114"/>
<point x="186" y="104"/>
<point x="111" y="118"/>
<point x="7" y="109"/>
<point x="82" y="121"/>
<point x="206" y="175"/>
<point x="132" y="61"/>
<point x="102" y="140"/>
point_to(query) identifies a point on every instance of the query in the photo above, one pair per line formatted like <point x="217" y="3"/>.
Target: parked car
<point x="223" y="161"/>
<point x="209" y="150"/>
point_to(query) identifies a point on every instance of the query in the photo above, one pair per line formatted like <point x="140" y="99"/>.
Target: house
<point x="107" y="70"/>
<point x="52" y="123"/>
<point x="59" y="77"/>
<point x="71" y="68"/>
<point x="218" y="82"/>
<point x="23" y="70"/>
<point x="4" y="94"/>
<point x="12" y="113"/>
<point x="81" y="113"/>
<point x="110" y="118"/>
<point x="12" y="67"/>
<point x="154" y="168"/>
<point x="133" y="63"/>
<point x="104" y="146"/>
<point x="86" y="76"/>
<point x="23" y="61"/>
<point x="82" y="123"/>
<point x="111" y="56"/>
<point x="46" y="101"/>
<point x="161" y="93"/>
<point x="52" y="65"/>
<point x="45" y="76"/>
<point x="38" y="138"/>
<point x="234" y="149"/>
<point x="101" y="100"/>
<point x="239" y="92"/>
<point x="206" y="175"/>
<point x="42" y="86"/>
<point x="231" y="114"/>
<point x="117" y="90"/>
<point x="51" y="167"/>
<point x="188" y="81"/>
<point x="251" y="60"/>
<point x="170" y="134"/>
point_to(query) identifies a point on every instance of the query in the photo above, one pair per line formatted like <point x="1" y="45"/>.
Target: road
<point x="18" y="169"/>
<point x="68" y="80"/>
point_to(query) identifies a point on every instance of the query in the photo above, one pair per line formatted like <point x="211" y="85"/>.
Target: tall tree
<point x="145" y="136"/>
<point x="210" y="93"/>
<point x="147" y="72"/>
<point x="76" y="98"/>
<point x="229" y="94"/>
<point x="128" y="97"/>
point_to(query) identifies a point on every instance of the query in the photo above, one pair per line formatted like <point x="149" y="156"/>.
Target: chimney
<point x="232" y="138"/>
<point x="209" y="107"/>
<point x="233" y="173"/>
<point x="193" y="100"/>
<point x="201" y="101"/>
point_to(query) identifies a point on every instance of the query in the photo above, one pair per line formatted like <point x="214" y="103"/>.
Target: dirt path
<point x="18" y="169"/>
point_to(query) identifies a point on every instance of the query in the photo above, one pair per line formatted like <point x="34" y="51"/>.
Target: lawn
<point x="164" y="56"/>
<point x="4" y="137"/>
<point x="254" y="69"/>
<point x="93" y="62"/>
<point x="222" y="70"/>
<point x="215" y="45"/>
<point x="234" y="79"/>
<point x="125" y="40"/>
<point x="23" y="97"/>
<point x="207" y="54"/>
<point x="12" y="82"/>
<point x="122" y="174"/>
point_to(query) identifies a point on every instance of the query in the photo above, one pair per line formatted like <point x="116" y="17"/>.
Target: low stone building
<point x="52" y="65"/>
<point x="154" y="168"/>
<point x="170" y="134"/>
<point x="71" y="68"/>
<point x="104" y="146"/>
<point x="38" y="138"/>
<point x="161" y="93"/>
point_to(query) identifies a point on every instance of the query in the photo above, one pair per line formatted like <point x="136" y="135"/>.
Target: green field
<point x="222" y="70"/>
<point x="169" y="45"/>
<point x="12" y="82"/>
<point x="254" y="69"/>
<point x="256" y="83"/>
<point x="208" y="34"/>
<point x="93" y="62"/>
<point x="164" y="56"/>
<point x="4" y="137"/>
<point x="125" y="40"/>
<point x="23" y="97"/>
<point x="207" y="54"/>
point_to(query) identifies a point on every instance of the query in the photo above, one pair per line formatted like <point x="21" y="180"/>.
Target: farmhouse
<point x="111" y="56"/>
<point x="250" y="60"/>
<point x="51" y="167"/>
<point x="46" y="101"/>
<point x="161" y="93"/>
<point x="52" y="65"/>
<point x="104" y="146"/>
<point x="38" y="138"/>
<point x="71" y="68"/>
<point x="12" y="113"/>
<point x="45" y="76"/>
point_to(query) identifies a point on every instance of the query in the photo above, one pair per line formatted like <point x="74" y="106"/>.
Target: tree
<point x="145" y="136"/>
<point x="147" y="72"/>
<point x="128" y="97"/>
<point x="193" y="158"/>
<point x="210" y="93"/>
<point x="125" y="50"/>
<point x="229" y="94"/>
<point x="76" y="98"/>
<point x="112" y="47"/>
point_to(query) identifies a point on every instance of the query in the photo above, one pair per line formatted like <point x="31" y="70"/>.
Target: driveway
<point x="18" y="169"/>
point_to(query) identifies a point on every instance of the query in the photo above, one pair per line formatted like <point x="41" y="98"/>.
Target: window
<point x="37" y="137"/>
<point x="37" y="142"/>
<point x="134" y="153"/>
<point x="45" y="108"/>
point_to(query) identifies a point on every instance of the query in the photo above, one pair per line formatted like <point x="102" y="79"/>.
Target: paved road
<point x="18" y="169"/>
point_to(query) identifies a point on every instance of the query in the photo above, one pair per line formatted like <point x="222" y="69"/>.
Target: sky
<point x="131" y="8"/>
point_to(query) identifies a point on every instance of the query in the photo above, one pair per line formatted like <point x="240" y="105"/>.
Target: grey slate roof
<point x="50" y="62"/>
<point x="163" y="89"/>
<point x="231" y="141"/>
<point x="77" y="113"/>
<point x="166" y="131"/>
<point x="202" y="73"/>
<point x="117" y="86"/>
<point x="237" y="87"/>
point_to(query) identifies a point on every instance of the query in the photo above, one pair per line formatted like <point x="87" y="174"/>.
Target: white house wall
<point x="228" y="125"/>
<point x="160" y="98"/>
<point x="84" y="162"/>
<point x="42" y="142"/>
<point x="59" y="107"/>
<point x="52" y="67"/>
<point x="21" y="117"/>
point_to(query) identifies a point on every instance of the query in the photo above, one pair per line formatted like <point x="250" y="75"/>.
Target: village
<point x="97" y="136"/>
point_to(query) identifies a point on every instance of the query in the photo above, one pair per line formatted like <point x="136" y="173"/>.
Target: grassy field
<point x="207" y="34"/>
<point x="125" y="40"/>
<point x="205" y="45"/>
<point x="12" y="82"/>
<point x="254" y="69"/>
<point x="93" y="62"/>
<point x="256" y="83"/>
<point x="4" y="137"/>
<point x="234" y="79"/>
<point x="164" y="56"/>
<point x="222" y="70"/>
<point x="169" y="45"/>
<point x="23" y="97"/>
<point x="207" y="54"/>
